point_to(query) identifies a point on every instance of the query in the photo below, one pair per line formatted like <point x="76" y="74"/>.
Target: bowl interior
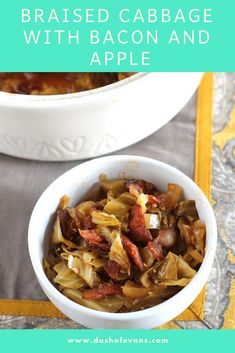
<point x="78" y="181"/>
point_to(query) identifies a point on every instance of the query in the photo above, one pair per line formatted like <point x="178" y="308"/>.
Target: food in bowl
<point x="57" y="83"/>
<point x="128" y="248"/>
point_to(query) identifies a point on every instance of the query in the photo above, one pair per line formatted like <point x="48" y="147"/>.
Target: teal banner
<point x="116" y="341"/>
<point x="121" y="35"/>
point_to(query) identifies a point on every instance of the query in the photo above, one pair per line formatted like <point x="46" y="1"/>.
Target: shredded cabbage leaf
<point x="129" y="248"/>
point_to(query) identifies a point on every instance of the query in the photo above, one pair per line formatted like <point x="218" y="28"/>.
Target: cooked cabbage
<point x="118" y="254"/>
<point x="130" y="248"/>
<point x="66" y="277"/>
<point x="111" y="304"/>
<point x="105" y="219"/>
<point x="57" y="236"/>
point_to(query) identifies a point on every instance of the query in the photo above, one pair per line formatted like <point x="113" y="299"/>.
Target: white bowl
<point x="89" y="124"/>
<point x="75" y="183"/>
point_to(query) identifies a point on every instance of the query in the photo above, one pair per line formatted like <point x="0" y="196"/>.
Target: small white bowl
<point x="76" y="183"/>
<point x="92" y="123"/>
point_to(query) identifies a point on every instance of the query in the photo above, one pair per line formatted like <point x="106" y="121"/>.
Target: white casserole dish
<point x="92" y="123"/>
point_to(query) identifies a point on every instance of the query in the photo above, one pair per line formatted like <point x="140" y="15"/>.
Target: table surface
<point x="220" y="297"/>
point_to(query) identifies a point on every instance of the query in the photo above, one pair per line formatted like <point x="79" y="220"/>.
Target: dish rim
<point x="17" y="101"/>
<point x="70" y="97"/>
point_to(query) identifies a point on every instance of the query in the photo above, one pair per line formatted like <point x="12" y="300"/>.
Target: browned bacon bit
<point x="137" y="182"/>
<point x="80" y="220"/>
<point x="88" y="220"/>
<point x="72" y="227"/>
<point x="91" y="236"/>
<point x="138" y="230"/>
<point x="64" y="218"/>
<point x="112" y="268"/>
<point x="167" y="237"/>
<point x="95" y="242"/>
<point x="67" y="224"/>
<point x="133" y="252"/>
<point x="103" y="290"/>
<point x="156" y="250"/>
<point x="152" y="199"/>
<point x="32" y="76"/>
<point x="100" y="249"/>
<point x="141" y="184"/>
<point x="164" y="201"/>
<point x="145" y="186"/>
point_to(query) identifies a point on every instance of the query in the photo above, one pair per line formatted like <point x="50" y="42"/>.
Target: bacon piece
<point x="32" y="76"/>
<point x="133" y="252"/>
<point x="138" y="230"/>
<point x="80" y="220"/>
<point x="140" y="183"/>
<point x="167" y="237"/>
<point x="164" y="201"/>
<point x="68" y="225"/>
<point x="103" y="290"/>
<point x="91" y="236"/>
<point x="112" y="268"/>
<point x="100" y="249"/>
<point x="88" y="220"/>
<point x="153" y="199"/>
<point x="156" y="250"/>
<point x="168" y="201"/>
<point x="95" y="241"/>
<point x="64" y="218"/>
<point x="72" y="226"/>
<point x="144" y="186"/>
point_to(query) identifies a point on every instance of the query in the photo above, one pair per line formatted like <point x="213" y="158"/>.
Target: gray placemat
<point x="22" y="182"/>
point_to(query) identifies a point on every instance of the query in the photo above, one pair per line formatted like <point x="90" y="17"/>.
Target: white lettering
<point x="95" y="59"/>
<point x="121" y="15"/>
<point x="32" y="36"/>
<point x="94" y="37"/>
<point x="166" y="15"/>
<point x="73" y="36"/>
<point x="25" y="15"/>
<point x="204" y="37"/>
<point x="52" y="17"/>
<point x="174" y="38"/>
<point x="179" y="16"/>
